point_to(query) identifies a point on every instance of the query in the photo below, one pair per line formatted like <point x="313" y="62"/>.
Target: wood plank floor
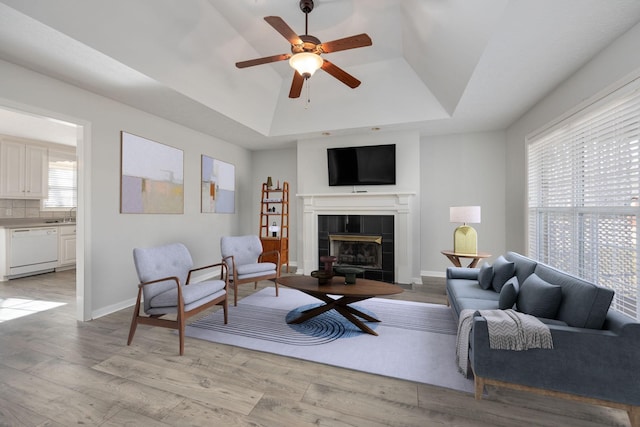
<point x="55" y="371"/>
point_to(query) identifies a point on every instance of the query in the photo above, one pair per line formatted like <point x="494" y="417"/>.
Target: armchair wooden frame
<point x="255" y="279"/>
<point x="182" y="315"/>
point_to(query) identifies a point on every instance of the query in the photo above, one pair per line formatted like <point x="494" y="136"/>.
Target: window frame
<point x="69" y="155"/>
<point x="578" y="256"/>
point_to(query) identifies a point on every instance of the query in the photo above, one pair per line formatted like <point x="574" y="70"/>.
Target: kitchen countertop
<point x="11" y="223"/>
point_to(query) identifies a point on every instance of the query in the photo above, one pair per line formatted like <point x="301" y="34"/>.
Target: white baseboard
<point x="113" y="308"/>
<point x="429" y="273"/>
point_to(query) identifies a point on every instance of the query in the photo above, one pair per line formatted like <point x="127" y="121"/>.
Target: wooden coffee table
<point x="348" y="294"/>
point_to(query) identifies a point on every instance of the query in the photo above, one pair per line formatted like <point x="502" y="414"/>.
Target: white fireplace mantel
<point x="398" y="204"/>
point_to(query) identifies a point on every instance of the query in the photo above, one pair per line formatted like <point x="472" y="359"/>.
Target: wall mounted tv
<point x="365" y="165"/>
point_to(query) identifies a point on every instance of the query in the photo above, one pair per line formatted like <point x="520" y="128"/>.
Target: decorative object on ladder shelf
<point x="274" y="229"/>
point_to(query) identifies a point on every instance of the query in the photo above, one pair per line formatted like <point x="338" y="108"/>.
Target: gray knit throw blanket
<point x="508" y="330"/>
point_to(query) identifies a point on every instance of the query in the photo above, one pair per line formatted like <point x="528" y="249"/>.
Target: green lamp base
<point x="465" y="240"/>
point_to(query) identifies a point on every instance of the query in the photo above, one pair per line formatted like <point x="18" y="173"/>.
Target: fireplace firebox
<point x="364" y="241"/>
<point x="356" y="250"/>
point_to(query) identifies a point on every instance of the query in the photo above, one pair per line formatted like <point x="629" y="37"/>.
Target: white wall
<point x="461" y="170"/>
<point x="613" y="65"/>
<point x="109" y="235"/>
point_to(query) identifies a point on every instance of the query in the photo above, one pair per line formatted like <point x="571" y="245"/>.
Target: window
<point x="63" y="192"/>
<point x="583" y="190"/>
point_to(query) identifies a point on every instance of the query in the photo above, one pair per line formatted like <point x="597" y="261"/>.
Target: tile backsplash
<point x="18" y="208"/>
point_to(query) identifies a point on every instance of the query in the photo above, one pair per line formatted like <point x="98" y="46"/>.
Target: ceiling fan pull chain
<point x="308" y="94"/>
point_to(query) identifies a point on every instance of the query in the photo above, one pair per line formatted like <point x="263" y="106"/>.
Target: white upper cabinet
<point x="23" y="170"/>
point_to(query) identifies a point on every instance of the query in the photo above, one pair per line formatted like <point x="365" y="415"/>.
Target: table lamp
<point x="273" y="228"/>
<point x="465" y="238"/>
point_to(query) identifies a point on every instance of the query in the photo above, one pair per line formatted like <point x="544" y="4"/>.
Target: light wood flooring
<point x="56" y="371"/>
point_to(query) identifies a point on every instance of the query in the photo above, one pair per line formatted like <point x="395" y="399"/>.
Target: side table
<point x="455" y="258"/>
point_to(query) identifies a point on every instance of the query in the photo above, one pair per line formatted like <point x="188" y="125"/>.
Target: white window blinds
<point x="62" y="181"/>
<point x="583" y="190"/>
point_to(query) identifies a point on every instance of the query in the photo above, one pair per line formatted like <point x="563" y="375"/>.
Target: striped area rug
<point x="416" y="341"/>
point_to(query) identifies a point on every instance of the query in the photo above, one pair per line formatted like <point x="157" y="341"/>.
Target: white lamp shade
<point x="465" y="214"/>
<point x="305" y="63"/>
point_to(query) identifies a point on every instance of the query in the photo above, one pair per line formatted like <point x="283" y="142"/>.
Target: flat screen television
<point x="365" y="165"/>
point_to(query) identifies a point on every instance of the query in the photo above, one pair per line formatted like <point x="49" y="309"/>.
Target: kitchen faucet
<point x="71" y="210"/>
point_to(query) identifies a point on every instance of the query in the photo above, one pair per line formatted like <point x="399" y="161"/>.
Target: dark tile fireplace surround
<point x="365" y="225"/>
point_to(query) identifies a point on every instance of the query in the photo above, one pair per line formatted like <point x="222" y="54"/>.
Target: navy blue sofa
<point x="596" y="354"/>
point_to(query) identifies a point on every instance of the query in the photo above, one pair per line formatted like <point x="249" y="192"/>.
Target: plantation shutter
<point x="583" y="196"/>
<point x="62" y="180"/>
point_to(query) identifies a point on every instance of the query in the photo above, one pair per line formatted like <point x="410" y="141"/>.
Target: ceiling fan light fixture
<point x="306" y="63"/>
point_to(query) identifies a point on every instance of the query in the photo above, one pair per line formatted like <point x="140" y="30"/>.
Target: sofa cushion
<point x="539" y="298"/>
<point x="524" y="266"/>
<point x="485" y="276"/>
<point x="462" y="288"/>
<point x="509" y="294"/>
<point x="584" y="304"/>
<point x="258" y="267"/>
<point x="503" y="270"/>
<point x="190" y="293"/>
<point x="477" y="304"/>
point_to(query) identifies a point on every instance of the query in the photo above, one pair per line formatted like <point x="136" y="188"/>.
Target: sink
<point x="53" y="221"/>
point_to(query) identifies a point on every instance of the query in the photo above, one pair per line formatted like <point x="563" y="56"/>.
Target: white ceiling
<point x="435" y="65"/>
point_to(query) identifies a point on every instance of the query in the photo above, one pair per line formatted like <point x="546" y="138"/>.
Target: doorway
<point x="31" y="123"/>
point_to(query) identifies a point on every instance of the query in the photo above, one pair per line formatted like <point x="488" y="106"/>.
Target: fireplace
<point x="365" y="241"/>
<point x="399" y="262"/>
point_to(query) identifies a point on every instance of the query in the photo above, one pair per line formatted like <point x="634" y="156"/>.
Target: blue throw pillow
<point x="485" y="276"/>
<point x="509" y="294"/>
<point x="503" y="270"/>
<point x="539" y="298"/>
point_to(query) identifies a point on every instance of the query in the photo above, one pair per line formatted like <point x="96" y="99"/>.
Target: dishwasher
<point x="33" y="251"/>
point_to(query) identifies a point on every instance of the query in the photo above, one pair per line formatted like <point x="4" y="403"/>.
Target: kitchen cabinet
<point x="23" y="170"/>
<point x="67" y="246"/>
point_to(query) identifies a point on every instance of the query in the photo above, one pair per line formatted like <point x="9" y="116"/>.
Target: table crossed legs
<point x="341" y="305"/>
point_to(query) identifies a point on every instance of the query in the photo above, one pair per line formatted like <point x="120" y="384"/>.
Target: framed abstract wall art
<point x="152" y="176"/>
<point x="218" y="186"/>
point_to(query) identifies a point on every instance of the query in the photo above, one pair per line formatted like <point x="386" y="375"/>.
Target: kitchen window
<point x="63" y="189"/>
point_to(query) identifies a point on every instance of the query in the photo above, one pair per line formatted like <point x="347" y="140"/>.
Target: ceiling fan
<point x="305" y="53"/>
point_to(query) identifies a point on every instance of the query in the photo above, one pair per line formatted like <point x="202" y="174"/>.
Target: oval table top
<point x="363" y="287"/>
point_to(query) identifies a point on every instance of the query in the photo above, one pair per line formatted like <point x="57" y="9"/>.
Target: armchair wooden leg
<point x="132" y="329"/>
<point x="181" y="323"/>
<point x="134" y="319"/>
<point x="235" y="294"/>
<point x="276" y="283"/>
<point x="224" y="309"/>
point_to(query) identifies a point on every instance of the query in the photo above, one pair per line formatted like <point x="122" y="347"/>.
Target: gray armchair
<point x="243" y="255"/>
<point x="165" y="273"/>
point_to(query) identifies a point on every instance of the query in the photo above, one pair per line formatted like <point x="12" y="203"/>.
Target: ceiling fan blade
<point x="340" y="74"/>
<point x="360" y="40"/>
<point x="280" y="26"/>
<point x="265" y="60"/>
<point x="296" y="85"/>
